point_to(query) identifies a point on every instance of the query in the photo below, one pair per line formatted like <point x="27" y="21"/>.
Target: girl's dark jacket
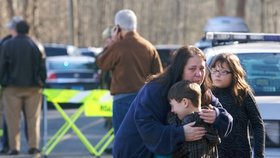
<point x="238" y="144"/>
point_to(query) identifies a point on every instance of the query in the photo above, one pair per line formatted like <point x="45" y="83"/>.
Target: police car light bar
<point x="230" y="36"/>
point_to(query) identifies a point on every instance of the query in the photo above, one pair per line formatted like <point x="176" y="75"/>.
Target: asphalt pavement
<point x="71" y="147"/>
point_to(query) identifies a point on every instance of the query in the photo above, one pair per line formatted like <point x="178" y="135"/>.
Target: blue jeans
<point x="121" y="104"/>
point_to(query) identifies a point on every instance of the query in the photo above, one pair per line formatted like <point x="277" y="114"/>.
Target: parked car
<point x="53" y="49"/>
<point x="165" y="52"/>
<point x="72" y="72"/>
<point x="222" y="24"/>
<point x="90" y="51"/>
<point x="261" y="61"/>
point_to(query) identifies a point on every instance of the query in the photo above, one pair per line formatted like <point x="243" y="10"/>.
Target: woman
<point x="236" y="97"/>
<point x="145" y="131"/>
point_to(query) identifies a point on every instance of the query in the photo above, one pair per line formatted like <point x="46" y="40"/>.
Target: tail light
<point x="97" y="75"/>
<point x="52" y="76"/>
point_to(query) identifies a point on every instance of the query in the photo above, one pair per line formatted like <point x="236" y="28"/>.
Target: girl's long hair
<point x="239" y="87"/>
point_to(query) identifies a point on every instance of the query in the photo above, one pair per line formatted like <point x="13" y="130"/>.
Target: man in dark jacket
<point x="22" y="75"/>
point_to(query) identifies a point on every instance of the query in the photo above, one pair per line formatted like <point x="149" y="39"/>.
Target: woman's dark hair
<point x="22" y="27"/>
<point x="173" y="73"/>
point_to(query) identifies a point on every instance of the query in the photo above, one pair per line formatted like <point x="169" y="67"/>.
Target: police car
<point x="259" y="55"/>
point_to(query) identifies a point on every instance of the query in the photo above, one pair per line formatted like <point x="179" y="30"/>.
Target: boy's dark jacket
<point x="203" y="148"/>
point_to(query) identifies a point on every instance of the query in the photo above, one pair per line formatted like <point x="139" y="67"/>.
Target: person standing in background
<point x="22" y="75"/>
<point x="236" y="96"/>
<point x="11" y="25"/>
<point x="106" y="76"/>
<point x="131" y="59"/>
<point x="3" y="124"/>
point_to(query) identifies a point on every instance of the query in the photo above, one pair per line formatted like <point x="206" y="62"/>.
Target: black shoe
<point x="33" y="151"/>
<point x="108" y="151"/>
<point x="4" y="151"/>
<point x="13" y="152"/>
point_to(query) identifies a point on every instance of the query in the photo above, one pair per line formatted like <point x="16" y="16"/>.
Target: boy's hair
<point x="185" y="89"/>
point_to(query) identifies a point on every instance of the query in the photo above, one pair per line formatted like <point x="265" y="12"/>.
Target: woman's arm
<point x="150" y="118"/>
<point x="219" y="117"/>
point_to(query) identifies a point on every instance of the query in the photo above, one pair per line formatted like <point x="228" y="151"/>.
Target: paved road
<point x="93" y="128"/>
<point x="70" y="146"/>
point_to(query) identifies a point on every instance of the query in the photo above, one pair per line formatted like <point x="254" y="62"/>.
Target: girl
<point x="234" y="93"/>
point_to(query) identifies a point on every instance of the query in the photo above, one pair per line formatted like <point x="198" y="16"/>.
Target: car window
<point x="165" y="55"/>
<point x="67" y="65"/>
<point x="53" y="51"/>
<point x="263" y="72"/>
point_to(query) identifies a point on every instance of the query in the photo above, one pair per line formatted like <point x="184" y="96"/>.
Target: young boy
<point x="185" y="100"/>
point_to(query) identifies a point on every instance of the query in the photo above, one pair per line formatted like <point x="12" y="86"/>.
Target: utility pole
<point x="70" y="23"/>
<point x="262" y="16"/>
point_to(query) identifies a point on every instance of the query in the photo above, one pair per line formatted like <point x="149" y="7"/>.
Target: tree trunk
<point x="34" y="17"/>
<point x="70" y="22"/>
<point x="240" y="8"/>
<point x="220" y="7"/>
<point x="262" y="16"/>
<point x="24" y="9"/>
<point x="10" y="8"/>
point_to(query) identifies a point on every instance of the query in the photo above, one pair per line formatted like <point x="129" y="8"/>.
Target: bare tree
<point x="240" y="8"/>
<point x="70" y="22"/>
<point x="24" y="12"/>
<point x="10" y="8"/>
<point x="220" y="7"/>
<point x="262" y="15"/>
<point x="160" y="21"/>
<point x="275" y="20"/>
<point x="33" y="23"/>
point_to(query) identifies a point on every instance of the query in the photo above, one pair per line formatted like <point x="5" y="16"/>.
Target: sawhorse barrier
<point x="94" y="103"/>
